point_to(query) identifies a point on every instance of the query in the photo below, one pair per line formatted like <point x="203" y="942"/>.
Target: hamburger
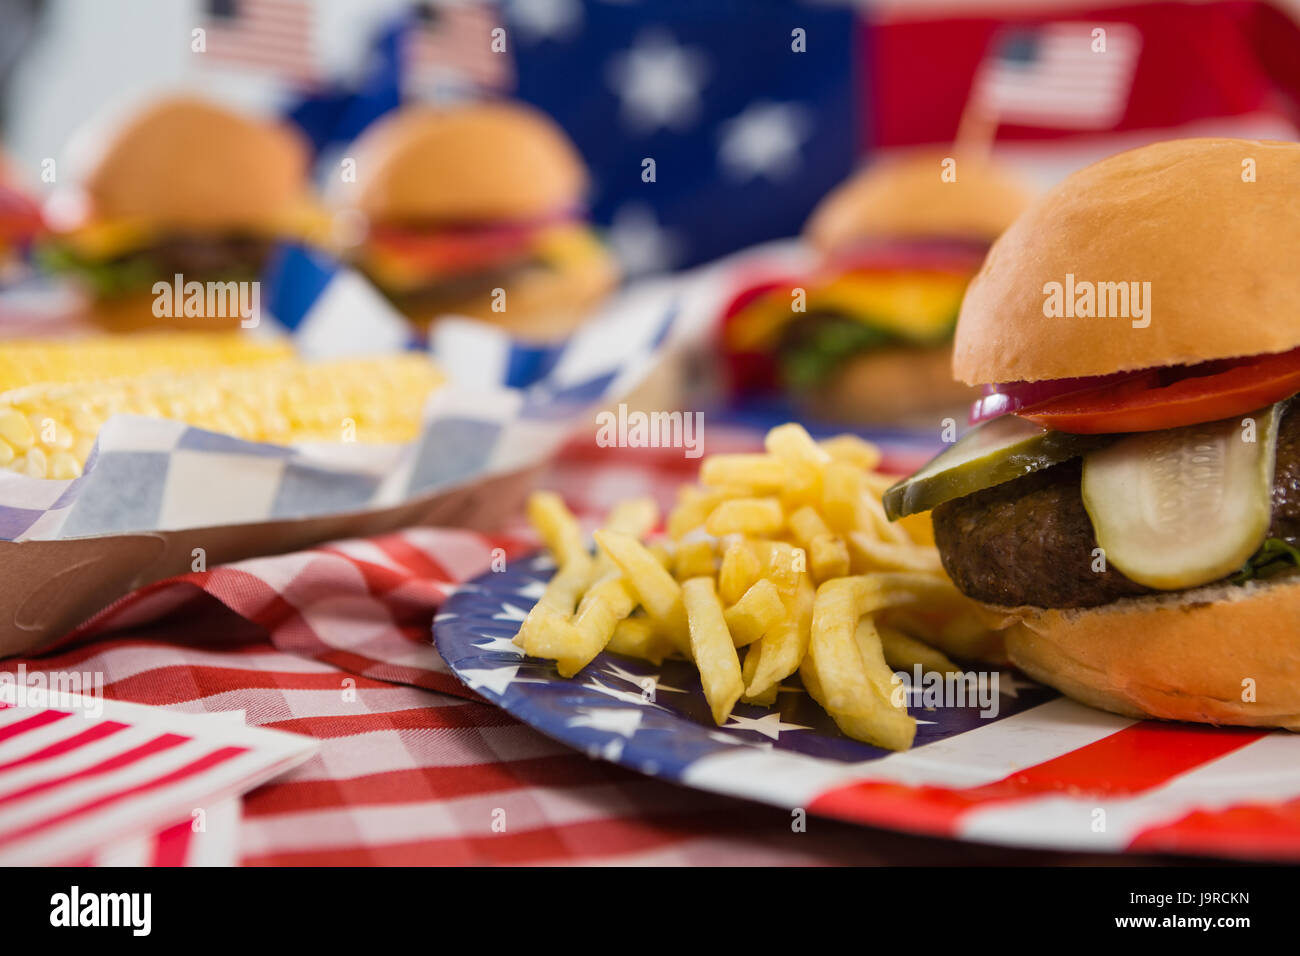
<point x="477" y="210"/>
<point x="181" y="186"/>
<point x="894" y="247"/>
<point x="1130" y="499"/>
<point x="20" y="224"/>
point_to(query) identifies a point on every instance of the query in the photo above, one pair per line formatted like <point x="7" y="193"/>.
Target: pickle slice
<point x="1182" y="507"/>
<point x="999" y="450"/>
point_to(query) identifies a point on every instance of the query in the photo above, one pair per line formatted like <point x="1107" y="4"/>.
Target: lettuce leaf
<point x="1274" y="557"/>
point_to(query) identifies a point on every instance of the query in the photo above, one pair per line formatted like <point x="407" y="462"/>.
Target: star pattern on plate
<point x="500" y="645"/>
<point x="658" y="82"/>
<point x="614" y="669"/>
<point x="1011" y="685"/>
<point x="623" y="721"/>
<point x="626" y="696"/>
<point x="769" y="725"/>
<point x="532" y="591"/>
<point x="510" y="612"/>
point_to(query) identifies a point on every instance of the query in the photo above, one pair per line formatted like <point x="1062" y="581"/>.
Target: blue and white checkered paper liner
<point x="508" y="405"/>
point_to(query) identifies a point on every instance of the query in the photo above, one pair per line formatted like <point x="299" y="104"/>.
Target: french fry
<point x="638" y="637"/>
<point x="786" y="554"/>
<point x="877" y="519"/>
<point x="747" y="671"/>
<point x="694" y="559"/>
<point x="758" y="610"/>
<point x="881" y="725"/>
<point x="759" y="474"/>
<point x="712" y="648"/>
<point x="919" y="528"/>
<point x="867" y="554"/>
<point x="782" y="563"/>
<point x="745" y="516"/>
<point x="545" y="628"/>
<point x="904" y="652"/>
<point x="694" y="505"/>
<point x="805" y="524"/>
<point x="792" y="443"/>
<point x="740" y="569"/>
<point x="855" y="451"/>
<point x="785" y="645"/>
<point x="838" y="607"/>
<point x="653" y="586"/>
<point x="557" y="602"/>
<point x="842" y="494"/>
<point x="828" y="557"/>
<point x="635" y="517"/>
<point x="872" y="651"/>
<point x="608" y="601"/>
<point x="557" y="526"/>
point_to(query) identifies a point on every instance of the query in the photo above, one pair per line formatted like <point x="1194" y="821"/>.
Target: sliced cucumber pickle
<point x="1186" y="506"/>
<point x="1000" y="450"/>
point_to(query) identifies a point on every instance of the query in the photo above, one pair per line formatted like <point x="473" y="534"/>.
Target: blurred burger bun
<point x="904" y="198"/>
<point x="184" y="163"/>
<point x="1219" y="254"/>
<point x="480" y="163"/>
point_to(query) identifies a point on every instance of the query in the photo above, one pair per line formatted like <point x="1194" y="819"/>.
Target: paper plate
<point x="1022" y="766"/>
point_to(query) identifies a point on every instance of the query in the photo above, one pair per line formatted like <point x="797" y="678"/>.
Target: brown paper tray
<point x="49" y="587"/>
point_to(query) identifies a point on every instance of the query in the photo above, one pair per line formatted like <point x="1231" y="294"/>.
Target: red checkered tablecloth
<point x="414" y="767"/>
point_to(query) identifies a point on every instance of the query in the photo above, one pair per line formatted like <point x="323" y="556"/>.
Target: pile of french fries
<point x="784" y="559"/>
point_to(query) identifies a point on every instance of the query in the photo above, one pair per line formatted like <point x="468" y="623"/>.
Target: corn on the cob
<point x="46" y="431"/>
<point x="36" y="361"/>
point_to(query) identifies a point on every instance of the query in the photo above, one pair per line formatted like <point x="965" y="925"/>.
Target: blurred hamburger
<point x="464" y="201"/>
<point x="20" y="223"/>
<point x="182" y="186"/>
<point x="1132" y="495"/>
<point x="895" y="246"/>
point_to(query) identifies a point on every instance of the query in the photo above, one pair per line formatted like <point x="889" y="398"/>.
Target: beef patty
<point x="203" y="257"/>
<point x="1030" y="540"/>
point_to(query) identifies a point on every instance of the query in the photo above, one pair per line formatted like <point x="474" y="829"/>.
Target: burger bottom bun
<point x="899" y="385"/>
<point x="133" y="312"/>
<point x="1189" y="656"/>
<point x="541" y="304"/>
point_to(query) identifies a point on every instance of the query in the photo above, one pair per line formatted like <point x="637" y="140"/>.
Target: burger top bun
<point x="1217" y="248"/>
<point x="907" y="197"/>
<point x="476" y="162"/>
<point x="185" y="162"/>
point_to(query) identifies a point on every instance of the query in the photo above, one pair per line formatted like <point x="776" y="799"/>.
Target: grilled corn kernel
<point x="32" y="362"/>
<point x="15" y="429"/>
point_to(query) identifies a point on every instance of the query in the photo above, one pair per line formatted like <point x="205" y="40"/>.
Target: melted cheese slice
<point x="917" y="305"/>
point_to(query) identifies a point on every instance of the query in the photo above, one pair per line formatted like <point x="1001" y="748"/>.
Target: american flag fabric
<point x="751" y="119"/>
<point x="1061" y="75"/>
<point x="449" y="47"/>
<point x="414" y="767"/>
<point x="274" y="36"/>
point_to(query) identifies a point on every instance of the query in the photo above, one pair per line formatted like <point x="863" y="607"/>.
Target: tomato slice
<point x="455" y="250"/>
<point x="1150" y="402"/>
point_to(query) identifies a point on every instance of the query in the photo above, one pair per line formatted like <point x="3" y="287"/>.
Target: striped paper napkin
<point x="108" y="782"/>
